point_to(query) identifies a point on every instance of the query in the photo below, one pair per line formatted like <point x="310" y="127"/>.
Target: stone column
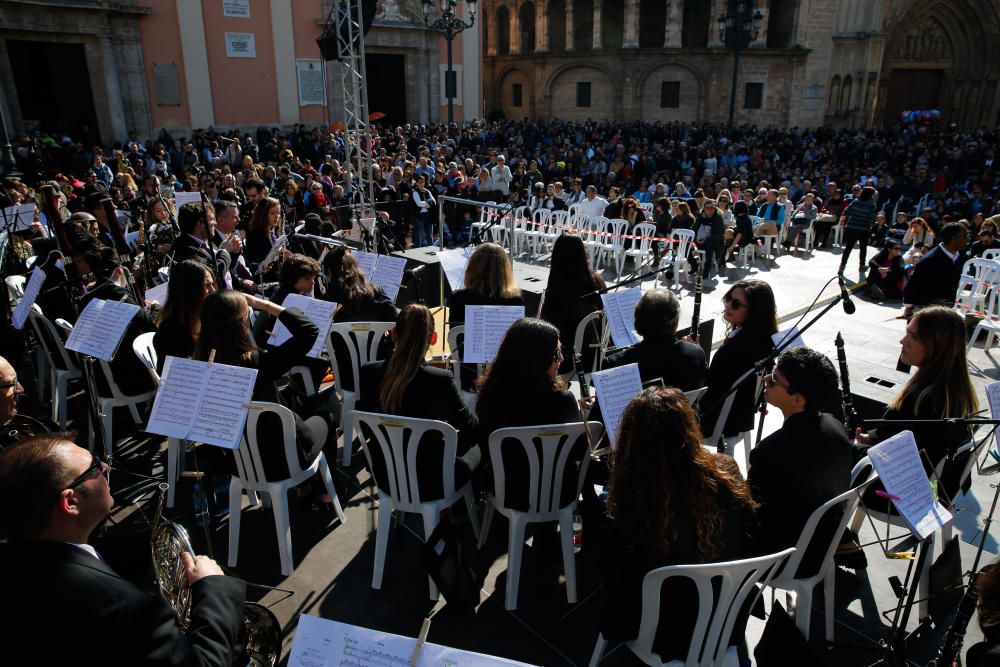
<point x="630" y="40"/>
<point x="491" y="33"/>
<point x="597" y="25"/>
<point x="115" y="105"/>
<point x="569" y="25"/>
<point x="674" y="18"/>
<point x="719" y="7"/>
<point x="515" y="30"/>
<point x="542" y="26"/>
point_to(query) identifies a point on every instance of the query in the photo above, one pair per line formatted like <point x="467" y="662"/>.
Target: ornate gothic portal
<point x="943" y="55"/>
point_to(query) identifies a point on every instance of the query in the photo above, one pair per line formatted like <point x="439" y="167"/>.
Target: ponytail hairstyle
<point x="414" y="333"/>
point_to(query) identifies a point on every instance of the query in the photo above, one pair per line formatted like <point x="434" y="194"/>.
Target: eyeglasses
<point x="7" y="385"/>
<point x="733" y="303"/>
<point x="96" y="465"/>
<point x="772" y="381"/>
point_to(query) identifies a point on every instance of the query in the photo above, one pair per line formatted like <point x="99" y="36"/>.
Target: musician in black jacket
<point x="660" y="355"/>
<point x="193" y="242"/>
<point x="53" y="496"/>
<point x="935" y="277"/>
<point x="806" y="462"/>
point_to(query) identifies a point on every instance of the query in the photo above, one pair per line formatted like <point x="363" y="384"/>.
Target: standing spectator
<point x="857" y="223"/>
<point x="501" y="177"/>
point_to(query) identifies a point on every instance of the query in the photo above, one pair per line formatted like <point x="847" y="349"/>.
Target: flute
<point x="850" y="414"/>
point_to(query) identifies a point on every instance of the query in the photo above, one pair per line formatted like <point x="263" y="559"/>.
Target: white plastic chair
<point x="559" y="222"/>
<point x="717" y="611"/>
<point x="681" y="241"/>
<point x="362" y="340"/>
<point x="990" y="324"/>
<point x="596" y="321"/>
<point x="521" y="218"/>
<point x="613" y="246"/>
<point x="62" y="365"/>
<point x="641" y="246"/>
<point x="485" y="217"/>
<point x="977" y="279"/>
<point x="748" y="255"/>
<point x="535" y="234"/>
<point x="558" y="445"/>
<point x="469" y="397"/>
<point x="398" y="440"/>
<point x="801" y="588"/>
<point x="252" y="479"/>
<point x="15" y="286"/>
<point x="993" y="253"/>
<point x="694" y="396"/>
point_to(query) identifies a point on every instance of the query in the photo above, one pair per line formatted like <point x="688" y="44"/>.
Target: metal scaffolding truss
<point x="357" y="132"/>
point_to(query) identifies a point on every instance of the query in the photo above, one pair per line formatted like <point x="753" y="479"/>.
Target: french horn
<point x="259" y="640"/>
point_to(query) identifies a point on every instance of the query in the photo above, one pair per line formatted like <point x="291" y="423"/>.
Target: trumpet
<point x="259" y="642"/>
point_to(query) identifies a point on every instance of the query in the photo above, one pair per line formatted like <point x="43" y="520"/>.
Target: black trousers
<point x="851" y="237"/>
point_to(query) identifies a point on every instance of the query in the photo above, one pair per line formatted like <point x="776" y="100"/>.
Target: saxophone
<point x="259" y="641"/>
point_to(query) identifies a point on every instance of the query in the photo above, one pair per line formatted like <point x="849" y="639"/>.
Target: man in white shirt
<point x="593" y="205"/>
<point x="501" y="176"/>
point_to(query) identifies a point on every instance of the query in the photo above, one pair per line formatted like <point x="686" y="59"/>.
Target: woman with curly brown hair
<point x="671" y="502"/>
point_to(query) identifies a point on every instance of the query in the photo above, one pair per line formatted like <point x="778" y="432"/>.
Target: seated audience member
<point x="750" y="314"/>
<point x="670" y="502"/>
<point x="987" y="241"/>
<point x="405" y="385"/>
<point x="489" y="281"/>
<point x="660" y="354"/>
<point x="104" y="263"/>
<point x="178" y="321"/>
<point x="709" y="237"/>
<point x="936" y="276"/>
<point x="742" y="232"/>
<point x="225" y="329"/>
<point x="918" y="240"/>
<point x="885" y="273"/>
<point x="570" y="295"/>
<point x="53" y="496"/>
<point x="806" y="462"/>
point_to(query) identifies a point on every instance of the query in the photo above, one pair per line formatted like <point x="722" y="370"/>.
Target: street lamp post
<point x="449" y="25"/>
<point x="738" y="28"/>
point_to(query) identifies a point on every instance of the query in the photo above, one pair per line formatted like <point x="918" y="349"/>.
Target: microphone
<point x="845" y="296"/>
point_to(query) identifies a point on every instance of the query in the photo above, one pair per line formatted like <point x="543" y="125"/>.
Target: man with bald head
<point x="63" y="603"/>
<point x="10" y="391"/>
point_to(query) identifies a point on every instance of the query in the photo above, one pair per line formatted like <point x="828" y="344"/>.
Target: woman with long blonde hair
<point x="489" y="281"/>
<point x="670" y="502"/>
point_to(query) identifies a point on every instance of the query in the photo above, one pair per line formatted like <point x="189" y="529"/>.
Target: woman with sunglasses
<point x="751" y="320"/>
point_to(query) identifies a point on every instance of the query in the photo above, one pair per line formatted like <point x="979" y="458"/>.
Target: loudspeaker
<point x="327" y="42"/>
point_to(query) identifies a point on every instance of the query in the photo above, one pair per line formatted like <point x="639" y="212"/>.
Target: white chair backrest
<point x="681" y="241"/>
<point x="861" y="471"/>
<point x="540" y="216"/>
<point x="549" y="449"/>
<point x="978" y="267"/>
<point x="52" y="343"/>
<point x="249" y="466"/>
<point x="521" y="213"/>
<point x="694" y="396"/>
<point x="645" y="231"/>
<point x="16" y="285"/>
<point x="559" y="220"/>
<point x="486" y="212"/>
<point x="617" y="228"/>
<point x="582" y="226"/>
<point x="846" y="503"/>
<point x="574" y="209"/>
<point x="143" y="348"/>
<point x="993" y="253"/>
<point x="647" y="208"/>
<point x="722" y="589"/>
<point x="398" y="439"/>
<point x="596" y="322"/>
<point x="362" y="340"/>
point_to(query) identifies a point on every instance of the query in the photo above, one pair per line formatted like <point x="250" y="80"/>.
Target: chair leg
<point x="859" y="518"/>
<point x="431" y="518"/>
<point x="324" y="472"/>
<point x="235" y="514"/>
<point x="133" y="409"/>
<point x="829" y="590"/>
<point x="279" y="505"/>
<point x="595" y="657"/>
<point x="803" y="610"/>
<point x="470" y="505"/>
<point x="514" y="550"/>
<point x="484" y="531"/>
<point x="569" y="558"/>
<point x="975" y="337"/>
<point x="381" y="539"/>
<point x="345" y="419"/>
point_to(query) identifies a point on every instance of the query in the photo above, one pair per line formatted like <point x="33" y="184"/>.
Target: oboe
<point x="696" y="315"/>
<point x="850" y="414"/>
<point x="951" y="647"/>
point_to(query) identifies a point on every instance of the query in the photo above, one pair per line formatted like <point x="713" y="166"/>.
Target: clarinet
<point x="696" y="315"/>
<point x="578" y="365"/>
<point x="851" y="421"/>
<point x="951" y="647"/>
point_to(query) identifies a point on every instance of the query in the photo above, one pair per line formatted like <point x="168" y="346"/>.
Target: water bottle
<point x="577" y="529"/>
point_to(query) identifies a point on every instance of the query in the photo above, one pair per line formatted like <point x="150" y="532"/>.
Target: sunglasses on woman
<point x="733" y="303"/>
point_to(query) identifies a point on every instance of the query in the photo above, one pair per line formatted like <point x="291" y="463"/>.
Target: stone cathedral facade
<point x="841" y="63"/>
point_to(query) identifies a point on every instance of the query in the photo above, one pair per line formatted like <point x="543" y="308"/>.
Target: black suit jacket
<point x="792" y="472"/>
<point x="736" y="356"/>
<point x="108" y="620"/>
<point x="186" y="247"/>
<point x="934" y="280"/>
<point x="681" y="364"/>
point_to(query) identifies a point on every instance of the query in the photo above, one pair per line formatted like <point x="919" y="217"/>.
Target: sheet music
<point x="220" y="417"/>
<point x="389" y="274"/>
<point x="319" y="313"/>
<point x="366" y="262"/>
<point x="20" y="315"/>
<point x="453" y="263"/>
<point x="19" y="217"/>
<point x="324" y="643"/>
<point x="201" y="401"/>
<point x="273" y="252"/>
<point x="790" y="335"/>
<point x="157" y="293"/>
<point x="619" y="307"/>
<point x="182" y="386"/>
<point x="181" y="198"/>
<point x="615" y="387"/>
<point x="902" y="473"/>
<point x="99" y="329"/>
<point x="993" y="398"/>
<point x="485" y="327"/>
